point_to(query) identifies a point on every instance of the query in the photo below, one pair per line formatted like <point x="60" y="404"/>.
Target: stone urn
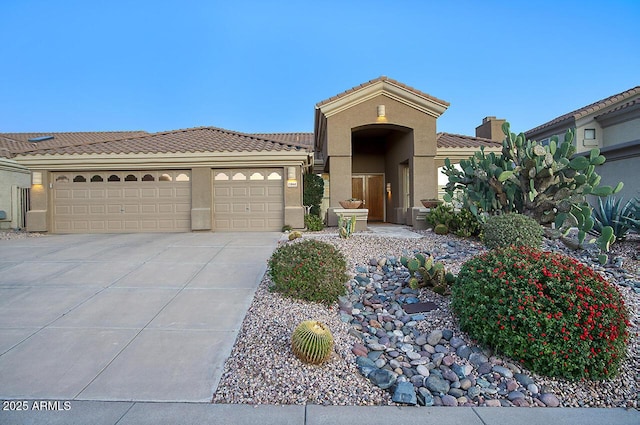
<point x="430" y="203"/>
<point x="351" y="204"/>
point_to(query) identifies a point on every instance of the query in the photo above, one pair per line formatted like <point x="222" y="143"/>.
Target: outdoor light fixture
<point x="382" y="117"/>
<point x="389" y="188"/>
<point x="291" y="177"/>
<point x="36" y="177"/>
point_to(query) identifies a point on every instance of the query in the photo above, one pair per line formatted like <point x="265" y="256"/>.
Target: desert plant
<point x="286" y="228"/>
<point x="465" y="224"/>
<point x="555" y="315"/>
<point x="425" y="271"/>
<point x="346" y="226"/>
<point x="544" y="182"/>
<point x="313" y="222"/>
<point x="442" y="214"/>
<point x="441" y="229"/>
<point x="312" y="342"/>
<point x="310" y="270"/>
<point x="613" y="213"/>
<point x="312" y="192"/>
<point x="633" y="219"/>
<point x="511" y="229"/>
<point x="294" y="235"/>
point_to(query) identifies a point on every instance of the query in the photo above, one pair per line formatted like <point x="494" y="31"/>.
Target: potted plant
<point x="351" y="203"/>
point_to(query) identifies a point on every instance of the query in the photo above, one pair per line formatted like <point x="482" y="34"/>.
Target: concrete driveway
<point x="124" y="317"/>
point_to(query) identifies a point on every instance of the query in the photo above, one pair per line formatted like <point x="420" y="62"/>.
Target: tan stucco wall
<point x="293" y="208"/>
<point x="12" y="176"/>
<point x="622" y="132"/>
<point x="38" y="216"/>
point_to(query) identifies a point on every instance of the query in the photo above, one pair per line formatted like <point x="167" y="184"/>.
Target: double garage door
<point x="160" y="201"/>
<point x="122" y="201"/>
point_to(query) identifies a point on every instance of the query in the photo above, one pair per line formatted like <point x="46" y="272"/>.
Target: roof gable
<point x="599" y="106"/>
<point x="388" y="87"/>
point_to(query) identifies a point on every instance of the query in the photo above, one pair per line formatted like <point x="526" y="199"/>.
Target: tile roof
<point x="305" y="139"/>
<point x="449" y="140"/>
<point x="16" y="143"/>
<point x="201" y="139"/>
<point x="589" y="109"/>
<point x="376" y="80"/>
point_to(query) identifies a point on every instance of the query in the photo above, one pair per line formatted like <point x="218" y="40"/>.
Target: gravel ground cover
<point x="263" y="370"/>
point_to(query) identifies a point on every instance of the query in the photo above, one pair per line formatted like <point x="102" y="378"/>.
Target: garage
<point x="248" y="199"/>
<point x="121" y="201"/>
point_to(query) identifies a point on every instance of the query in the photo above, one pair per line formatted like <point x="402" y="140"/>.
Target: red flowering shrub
<point x="555" y="315"/>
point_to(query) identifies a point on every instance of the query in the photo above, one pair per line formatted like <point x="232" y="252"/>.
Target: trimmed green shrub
<point x="313" y="223"/>
<point x="441" y="229"/>
<point x="511" y="229"/>
<point x="309" y="270"/>
<point x="555" y="315"/>
<point x="442" y="214"/>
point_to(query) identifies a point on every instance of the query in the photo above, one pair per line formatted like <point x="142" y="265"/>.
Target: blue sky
<point x="261" y="66"/>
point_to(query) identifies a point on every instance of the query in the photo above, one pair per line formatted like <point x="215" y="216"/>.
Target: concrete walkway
<point x="131" y="317"/>
<point x="135" y="329"/>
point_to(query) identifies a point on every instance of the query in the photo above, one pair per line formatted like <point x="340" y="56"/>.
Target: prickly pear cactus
<point x="312" y="342"/>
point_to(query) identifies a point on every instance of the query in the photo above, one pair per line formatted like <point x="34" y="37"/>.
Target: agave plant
<point x="621" y="217"/>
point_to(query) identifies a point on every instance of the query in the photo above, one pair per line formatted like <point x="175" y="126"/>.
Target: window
<point x="113" y="178"/>
<point x="589" y="134"/>
<point x="79" y="179"/>
<point x="97" y="178"/>
<point x="182" y="177"/>
<point x="239" y="176"/>
<point x="274" y="176"/>
<point x="62" y="179"/>
<point x="165" y="178"/>
<point x="256" y="176"/>
<point x="221" y="176"/>
<point x="131" y="178"/>
<point x="148" y="178"/>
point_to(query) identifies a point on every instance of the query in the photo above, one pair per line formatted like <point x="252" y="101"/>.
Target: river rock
<point x="405" y="393"/>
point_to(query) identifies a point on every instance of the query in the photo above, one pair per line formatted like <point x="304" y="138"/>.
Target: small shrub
<point x="286" y="228"/>
<point x="465" y="224"/>
<point x="309" y="270"/>
<point x="555" y="315"/>
<point x="313" y="223"/>
<point x="442" y="214"/>
<point x="511" y="229"/>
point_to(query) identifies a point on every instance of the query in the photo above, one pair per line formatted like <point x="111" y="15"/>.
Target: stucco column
<point x="201" y="198"/>
<point x="423" y="173"/>
<point x="340" y="189"/>
<point x="293" y="208"/>
<point x="38" y="214"/>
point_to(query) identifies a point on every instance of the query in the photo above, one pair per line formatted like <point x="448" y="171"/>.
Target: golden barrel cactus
<point x="312" y="342"/>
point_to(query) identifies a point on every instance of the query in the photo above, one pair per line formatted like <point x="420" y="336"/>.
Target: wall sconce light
<point x="382" y="114"/>
<point x="389" y="188"/>
<point x="36" y="177"/>
<point x="291" y="177"/>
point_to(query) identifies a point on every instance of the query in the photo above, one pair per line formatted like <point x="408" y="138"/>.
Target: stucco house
<point x="377" y="142"/>
<point x="612" y="125"/>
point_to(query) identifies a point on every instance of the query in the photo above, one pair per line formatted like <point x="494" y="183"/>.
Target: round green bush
<point x="511" y="229"/>
<point x="441" y="229"/>
<point x="313" y="222"/>
<point x="309" y="270"/>
<point x="555" y="315"/>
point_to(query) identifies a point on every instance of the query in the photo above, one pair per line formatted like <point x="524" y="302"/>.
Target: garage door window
<point x="148" y="178"/>
<point x="97" y="178"/>
<point x="79" y="179"/>
<point x="131" y="178"/>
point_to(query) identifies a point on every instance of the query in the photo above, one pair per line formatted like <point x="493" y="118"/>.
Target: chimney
<point x="491" y="128"/>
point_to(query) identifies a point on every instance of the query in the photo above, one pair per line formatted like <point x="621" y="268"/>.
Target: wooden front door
<point x="370" y="188"/>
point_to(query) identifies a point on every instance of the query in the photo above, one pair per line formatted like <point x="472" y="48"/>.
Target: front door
<point x="370" y="188"/>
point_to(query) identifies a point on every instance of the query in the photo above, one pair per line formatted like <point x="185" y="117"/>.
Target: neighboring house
<point x="613" y="126"/>
<point x="377" y="142"/>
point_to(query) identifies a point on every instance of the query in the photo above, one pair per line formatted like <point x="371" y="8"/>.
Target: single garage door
<point x="122" y="201"/>
<point x="248" y="200"/>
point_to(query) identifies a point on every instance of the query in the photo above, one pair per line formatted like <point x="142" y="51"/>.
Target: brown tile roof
<point x="589" y="109"/>
<point x="448" y="140"/>
<point x="15" y="143"/>
<point x="382" y="78"/>
<point x="201" y="139"/>
<point x="635" y="103"/>
<point x="304" y="139"/>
